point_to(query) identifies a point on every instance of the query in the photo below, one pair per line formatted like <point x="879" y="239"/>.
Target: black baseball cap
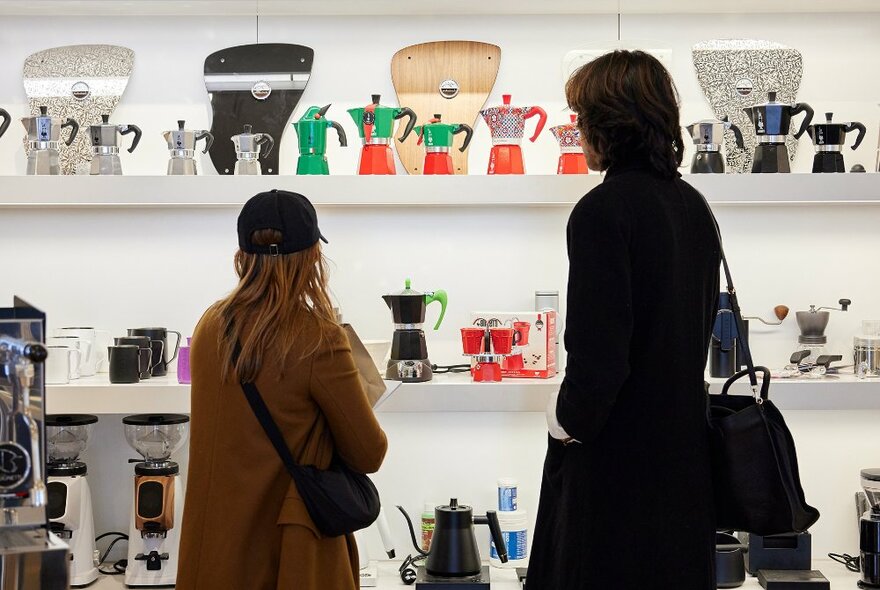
<point x="290" y="213"/>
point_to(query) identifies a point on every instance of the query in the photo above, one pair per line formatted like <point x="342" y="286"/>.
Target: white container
<point x="507" y="494"/>
<point x="515" y="532"/>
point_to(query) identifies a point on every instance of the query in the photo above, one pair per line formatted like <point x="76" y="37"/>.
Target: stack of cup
<point x="514" y="527"/>
<point x="183" y="372"/>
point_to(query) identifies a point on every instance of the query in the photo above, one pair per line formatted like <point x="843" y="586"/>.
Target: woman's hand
<point x="556" y="430"/>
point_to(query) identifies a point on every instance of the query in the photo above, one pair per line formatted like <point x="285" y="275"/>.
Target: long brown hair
<point x="627" y="107"/>
<point x="265" y="312"/>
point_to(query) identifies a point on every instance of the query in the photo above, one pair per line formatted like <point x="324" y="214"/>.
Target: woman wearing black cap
<point x="244" y="524"/>
<point x="626" y="499"/>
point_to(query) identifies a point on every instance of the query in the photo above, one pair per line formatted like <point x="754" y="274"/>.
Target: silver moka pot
<point x="708" y="135"/>
<point x="182" y="145"/>
<point x="44" y="141"/>
<point x="105" y="152"/>
<point x="248" y="147"/>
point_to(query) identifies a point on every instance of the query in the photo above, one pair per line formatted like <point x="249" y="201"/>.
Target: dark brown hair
<point x="627" y="108"/>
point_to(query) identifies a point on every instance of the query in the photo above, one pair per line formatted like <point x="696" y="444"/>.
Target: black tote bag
<point x="755" y="474"/>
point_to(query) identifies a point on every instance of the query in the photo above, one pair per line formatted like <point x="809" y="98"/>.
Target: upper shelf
<point x="433" y="191"/>
<point x="408" y="7"/>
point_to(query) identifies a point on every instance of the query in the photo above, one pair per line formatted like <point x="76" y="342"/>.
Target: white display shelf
<point x="73" y="192"/>
<point x="407" y="7"/>
<point x="96" y="395"/>
<point x="838" y="392"/>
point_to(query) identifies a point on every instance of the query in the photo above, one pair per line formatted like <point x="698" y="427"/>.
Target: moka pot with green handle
<point x="376" y="129"/>
<point x="409" y="352"/>
<point x="311" y="130"/>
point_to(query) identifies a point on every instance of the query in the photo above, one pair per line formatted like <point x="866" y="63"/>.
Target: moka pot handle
<point x="266" y="138"/>
<point x="803" y="107"/>
<point x="406" y="112"/>
<point x="74" y="129"/>
<point x="343" y="140"/>
<point x="542" y="120"/>
<point x="737" y="134"/>
<point x="137" y="135"/>
<point x="849" y="127"/>
<point x="209" y="140"/>
<point x="468" y="135"/>
<point x="6" y="120"/>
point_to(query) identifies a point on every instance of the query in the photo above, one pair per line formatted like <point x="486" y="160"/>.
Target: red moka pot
<point x="571" y="158"/>
<point x="507" y="125"/>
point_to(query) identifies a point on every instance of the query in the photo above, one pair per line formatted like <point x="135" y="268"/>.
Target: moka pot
<point x="507" y="125"/>
<point x="772" y="121"/>
<point x="829" y="139"/>
<point x="44" y="141"/>
<point x="105" y="152"/>
<point x="311" y="131"/>
<point x="708" y="136"/>
<point x="376" y="129"/>
<point x="248" y="149"/>
<point x="182" y="148"/>
<point x="437" y="138"/>
<point x="571" y="153"/>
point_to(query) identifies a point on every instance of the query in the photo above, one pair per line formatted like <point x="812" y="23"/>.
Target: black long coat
<point x="631" y="507"/>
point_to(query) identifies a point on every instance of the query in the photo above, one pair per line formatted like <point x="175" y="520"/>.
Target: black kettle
<point x="454" y="552"/>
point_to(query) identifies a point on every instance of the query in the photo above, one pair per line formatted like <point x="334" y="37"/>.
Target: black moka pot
<point x="772" y="121"/>
<point x="828" y="140"/>
<point x="409" y="352"/>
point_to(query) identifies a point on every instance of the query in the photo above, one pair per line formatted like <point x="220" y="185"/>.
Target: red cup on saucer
<point x="522" y="333"/>
<point x="472" y="340"/>
<point x="502" y="340"/>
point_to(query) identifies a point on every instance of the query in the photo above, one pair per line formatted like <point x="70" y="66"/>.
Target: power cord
<point x="853" y="564"/>
<point x="441" y="369"/>
<point x="119" y="566"/>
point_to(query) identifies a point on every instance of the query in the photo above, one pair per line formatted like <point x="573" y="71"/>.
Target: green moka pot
<point x="311" y="130"/>
<point x="437" y="134"/>
<point x="376" y="122"/>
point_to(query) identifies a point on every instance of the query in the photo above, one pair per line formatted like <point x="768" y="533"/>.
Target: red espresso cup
<point x="522" y="333"/>
<point x="502" y="340"/>
<point x="472" y="340"/>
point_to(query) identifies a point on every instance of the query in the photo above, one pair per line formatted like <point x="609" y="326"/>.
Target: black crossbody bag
<point x="339" y="500"/>
<point x="755" y="474"/>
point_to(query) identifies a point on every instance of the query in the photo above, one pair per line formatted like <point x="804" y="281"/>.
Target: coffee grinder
<point x="154" y="529"/>
<point x="70" y="499"/>
<point x="376" y="126"/>
<point x="105" y="152"/>
<point x="311" y="130"/>
<point x="812" y="324"/>
<point x="869" y="531"/>
<point x="828" y="140"/>
<point x="44" y="141"/>
<point x="182" y="148"/>
<point x="571" y="153"/>
<point x="248" y="148"/>
<point x="772" y="121"/>
<point x="708" y="135"/>
<point x="409" y="352"/>
<point x="438" y="137"/>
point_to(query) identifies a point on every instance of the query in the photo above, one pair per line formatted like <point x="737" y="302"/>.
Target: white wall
<point x="92" y="266"/>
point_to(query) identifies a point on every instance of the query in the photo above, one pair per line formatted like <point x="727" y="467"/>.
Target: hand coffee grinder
<point x="376" y="126"/>
<point x="44" y="141"/>
<point x="409" y="352"/>
<point x="812" y="324"/>
<point x="154" y="533"/>
<point x="248" y="147"/>
<point x="708" y="136"/>
<point x="438" y="137"/>
<point x="507" y="125"/>
<point x="828" y="139"/>
<point x="105" y="152"/>
<point x="869" y="531"/>
<point x="571" y="158"/>
<point x="772" y="121"/>
<point x="182" y="146"/>
<point x="311" y="130"/>
<point x="70" y="499"/>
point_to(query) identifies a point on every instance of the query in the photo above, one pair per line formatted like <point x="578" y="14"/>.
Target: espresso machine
<point x="182" y="146"/>
<point x="31" y="557"/>
<point x="409" y="352"/>
<point x="311" y="130"/>
<point x="44" y="141"/>
<point x="708" y="136"/>
<point x="829" y="139"/>
<point x="70" y="499"/>
<point x="4" y="114"/>
<point x="772" y="121"/>
<point x="154" y="533"/>
<point x="375" y="124"/>
<point x="507" y="125"/>
<point x="437" y="138"/>
<point x="105" y="152"/>
<point x="869" y="531"/>
<point x="248" y="150"/>
<point x="454" y="558"/>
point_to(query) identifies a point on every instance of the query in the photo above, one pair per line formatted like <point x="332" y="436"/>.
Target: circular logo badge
<point x="744" y="87"/>
<point x="449" y="88"/>
<point x="261" y="90"/>
<point x="369" y="117"/>
<point x="80" y="90"/>
<point x="15" y="465"/>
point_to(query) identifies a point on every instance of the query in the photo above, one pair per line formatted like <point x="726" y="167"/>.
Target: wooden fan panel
<point x="417" y="72"/>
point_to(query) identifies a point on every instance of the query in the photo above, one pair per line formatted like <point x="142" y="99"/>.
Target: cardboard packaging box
<point x="535" y="360"/>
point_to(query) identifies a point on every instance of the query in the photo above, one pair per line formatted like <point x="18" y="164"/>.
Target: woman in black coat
<point x="626" y="499"/>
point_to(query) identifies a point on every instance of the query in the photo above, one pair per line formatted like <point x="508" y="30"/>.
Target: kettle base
<point x="426" y="581"/>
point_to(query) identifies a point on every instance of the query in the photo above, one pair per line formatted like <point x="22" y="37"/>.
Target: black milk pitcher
<point x="159" y="345"/>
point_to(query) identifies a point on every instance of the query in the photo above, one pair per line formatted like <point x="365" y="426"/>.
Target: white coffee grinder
<point x="70" y="500"/>
<point x="154" y="529"/>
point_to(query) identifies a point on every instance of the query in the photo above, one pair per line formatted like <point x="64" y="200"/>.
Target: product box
<point x="537" y="358"/>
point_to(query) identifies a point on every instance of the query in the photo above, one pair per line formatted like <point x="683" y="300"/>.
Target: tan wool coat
<point x="244" y="524"/>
